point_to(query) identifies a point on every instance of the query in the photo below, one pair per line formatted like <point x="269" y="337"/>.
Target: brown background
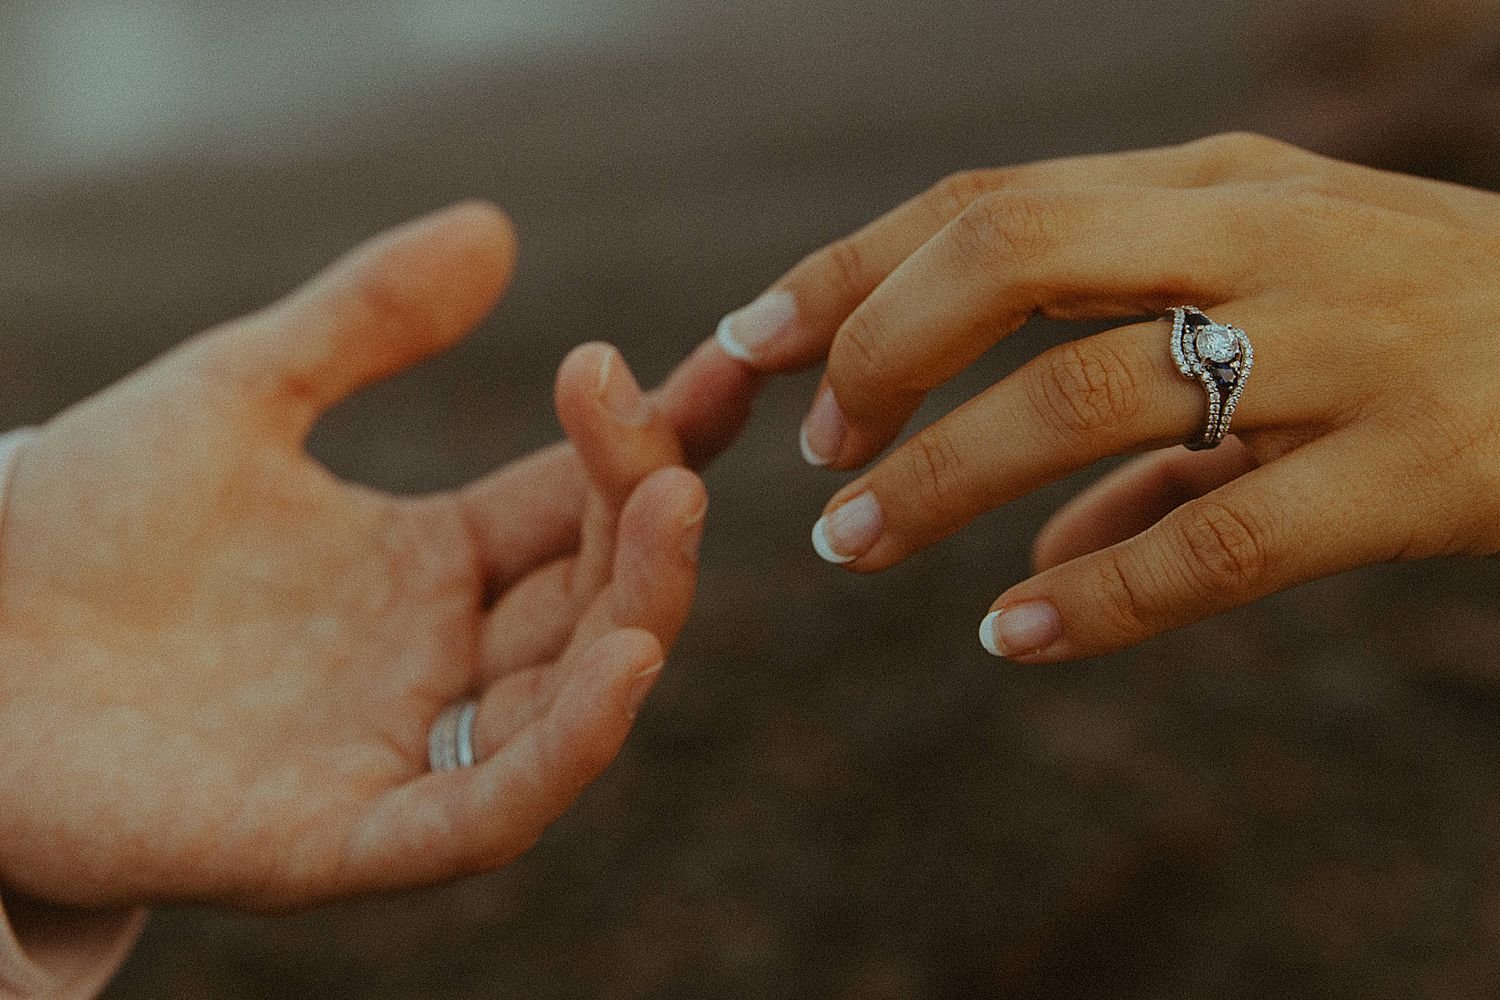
<point x="834" y="793"/>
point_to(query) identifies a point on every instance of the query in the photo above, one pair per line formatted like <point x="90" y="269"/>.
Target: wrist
<point x="47" y="950"/>
<point x="14" y="655"/>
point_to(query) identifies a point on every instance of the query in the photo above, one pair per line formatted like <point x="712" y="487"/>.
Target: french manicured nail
<point x="620" y="392"/>
<point x="823" y="431"/>
<point x="846" y="533"/>
<point x="692" y="535"/>
<point x="742" y="333"/>
<point x="640" y="687"/>
<point x="1028" y="627"/>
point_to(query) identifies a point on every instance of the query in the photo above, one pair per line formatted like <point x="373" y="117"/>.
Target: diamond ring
<point x="450" y="741"/>
<point x="1220" y="357"/>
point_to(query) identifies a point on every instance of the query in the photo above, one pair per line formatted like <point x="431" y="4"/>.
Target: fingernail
<point x="741" y="333"/>
<point x="692" y="535"/>
<point x="620" y="393"/>
<point x="823" y="431"/>
<point x="808" y="455"/>
<point x="640" y="687"/>
<point x="1029" y="627"/>
<point x="846" y="533"/>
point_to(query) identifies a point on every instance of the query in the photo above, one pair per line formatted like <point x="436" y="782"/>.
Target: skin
<point x="221" y="662"/>
<point x="1368" y="431"/>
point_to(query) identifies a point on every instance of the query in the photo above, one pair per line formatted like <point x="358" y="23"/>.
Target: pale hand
<point x="219" y="663"/>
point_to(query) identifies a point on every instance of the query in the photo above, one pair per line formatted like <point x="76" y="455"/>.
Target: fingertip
<point x="670" y="504"/>
<point x="488" y="226"/>
<point x="641" y="665"/>
<point x="443" y="271"/>
<point x="402" y="296"/>
<point x="755" y="334"/>
<point x="1027" y="630"/>
<point x="593" y="714"/>
<point x="683" y="499"/>
<point x="673" y="496"/>
<point x="626" y="652"/>
<point x="830" y="437"/>
<point x="824" y="430"/>
<point x="656" y="558"/>
<point x="482" y="241"/>
<point x="850" y="530"/>
<point x="483" y="214"/>
<point x="809" y="456"/>
<point x="628" y="662"/>
<point x="708" y="399"/>
<point x="724" y="338"/>
<point x="823" y="547"/>
<point x="987" y="634"/>
<point x="597" y="397"/>
<point x="581" y="374"/>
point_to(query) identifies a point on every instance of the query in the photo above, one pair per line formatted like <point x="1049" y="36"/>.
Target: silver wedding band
<point x="450" y="742"/>
<point x="1218" y="356"/>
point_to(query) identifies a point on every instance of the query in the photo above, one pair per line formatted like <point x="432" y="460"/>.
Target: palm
<point x="243" y="654"/>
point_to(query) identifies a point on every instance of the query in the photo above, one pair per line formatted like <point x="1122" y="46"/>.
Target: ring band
<point x="450" y="741"/>
<point x="1216" y="355"/>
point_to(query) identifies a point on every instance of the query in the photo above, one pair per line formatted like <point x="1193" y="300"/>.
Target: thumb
<point x="404" y="296"/>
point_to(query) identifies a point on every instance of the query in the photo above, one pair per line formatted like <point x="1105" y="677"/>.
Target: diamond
<point x="1216" y="342"/>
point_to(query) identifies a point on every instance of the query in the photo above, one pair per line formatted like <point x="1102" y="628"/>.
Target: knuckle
<point x="934" y="469"/>
<point x="1314" y="202"/>
<point x="1246" y="142"/>
<point x="1223" y="552"/>
<point x="857" y="357"/>
<point x="1410" y="312"/>
<point x="845" y="261"/>
<point x="1010" y="228"/>
<point x="1308" y="187"/>
<point x="1441" y="441"/>
<point x="1304" y="197"/>
<point x="1124" y="597"/>
<point x="956" y="192"/>
<point x="228" y="375"/>
<point x="1233" y="154"/>
<point x="1084" y="390"/>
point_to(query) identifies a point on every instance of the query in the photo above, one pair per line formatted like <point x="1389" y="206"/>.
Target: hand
<point x="1368" y="430"/>
<point x="220" y="663"/>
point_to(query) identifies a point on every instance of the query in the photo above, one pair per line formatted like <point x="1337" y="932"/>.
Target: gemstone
<point x="1223" y="374"/>
<point x="1216" y="343"/>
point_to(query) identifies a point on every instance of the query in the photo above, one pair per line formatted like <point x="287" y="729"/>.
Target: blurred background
<point x="834" y="793"/>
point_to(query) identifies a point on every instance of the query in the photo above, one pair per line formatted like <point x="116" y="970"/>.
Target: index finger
<point x="529" y="511"/>
<point x="792" y="325"/>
